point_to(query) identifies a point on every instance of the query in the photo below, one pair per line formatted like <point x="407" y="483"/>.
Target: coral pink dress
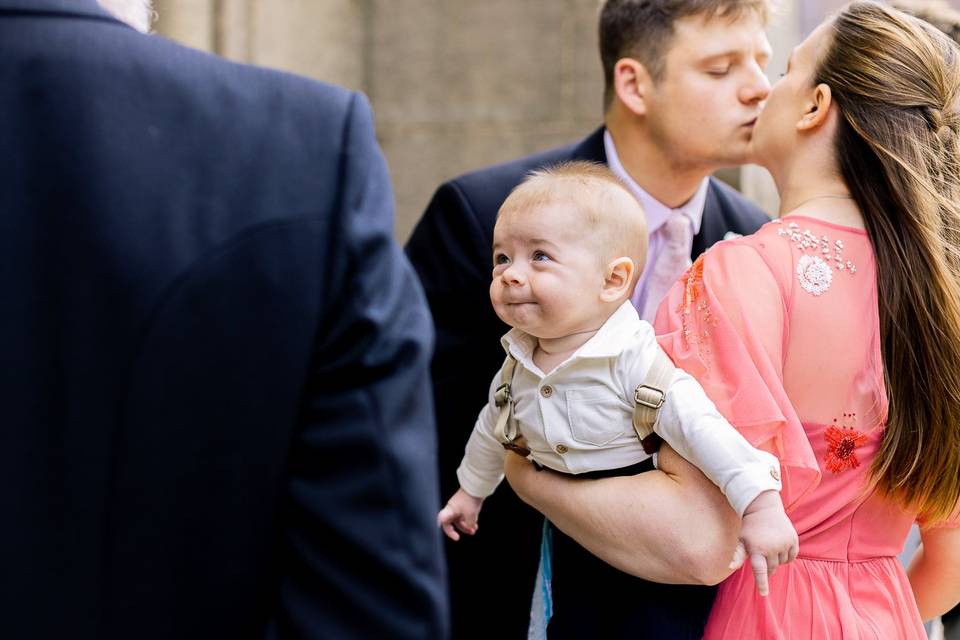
<point x="782" y="330"/>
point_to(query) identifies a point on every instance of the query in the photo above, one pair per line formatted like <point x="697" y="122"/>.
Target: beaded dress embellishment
<point x="842" y="443"/>
<point x="694" y="311"/>
<point x="815" y="269"/>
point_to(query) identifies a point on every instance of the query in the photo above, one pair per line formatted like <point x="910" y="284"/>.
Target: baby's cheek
<point x="495" y="289"/>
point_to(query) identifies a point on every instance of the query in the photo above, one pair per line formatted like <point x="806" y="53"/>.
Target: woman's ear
<point x="617" y="279"/>
<point x="817" y="108"/>
<point x="632" y="84"/>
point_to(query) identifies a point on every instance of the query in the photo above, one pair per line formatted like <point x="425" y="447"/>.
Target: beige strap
<point x="506" y="429"/>
<point x="650" y="396"/>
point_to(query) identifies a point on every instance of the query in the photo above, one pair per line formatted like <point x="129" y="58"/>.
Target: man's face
<point x="702" y="109"/>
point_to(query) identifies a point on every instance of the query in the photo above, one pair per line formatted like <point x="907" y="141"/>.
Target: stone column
<point x="188" y="21"/>
<point x="322" y="39"/>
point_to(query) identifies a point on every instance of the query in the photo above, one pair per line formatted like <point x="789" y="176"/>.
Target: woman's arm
<point x="935" y="572"/>
<point x="671" y="525"/>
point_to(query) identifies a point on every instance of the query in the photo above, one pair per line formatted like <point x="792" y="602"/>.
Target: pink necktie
<point x="673" y="261"/>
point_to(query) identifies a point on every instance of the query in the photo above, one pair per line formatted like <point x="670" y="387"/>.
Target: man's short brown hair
<point x="642" y="29"/>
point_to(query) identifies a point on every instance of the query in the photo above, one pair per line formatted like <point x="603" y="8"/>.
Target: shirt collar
<point x="657" y="212"/>
<point x="607" y="342"/>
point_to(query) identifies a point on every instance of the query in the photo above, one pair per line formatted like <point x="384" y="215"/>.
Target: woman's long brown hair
<point x="897" y="83"/>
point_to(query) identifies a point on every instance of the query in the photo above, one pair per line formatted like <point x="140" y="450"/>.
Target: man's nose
<point x="757" y="88"/>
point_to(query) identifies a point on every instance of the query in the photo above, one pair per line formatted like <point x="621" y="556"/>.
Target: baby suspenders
<point x="506" y="429"/>
<point x="649" y="397"/>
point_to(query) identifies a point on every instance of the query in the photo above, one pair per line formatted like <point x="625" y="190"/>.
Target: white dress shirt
<point x="578" y="417"/>
<point x="657" y="214"/>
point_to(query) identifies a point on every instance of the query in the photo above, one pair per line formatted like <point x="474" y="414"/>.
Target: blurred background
<point x="455" y="84"/>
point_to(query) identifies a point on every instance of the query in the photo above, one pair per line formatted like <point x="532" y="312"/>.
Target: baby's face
<point x="547" y="271"/>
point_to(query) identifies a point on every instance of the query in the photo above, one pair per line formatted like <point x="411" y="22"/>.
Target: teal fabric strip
<point x="541" y="608"/>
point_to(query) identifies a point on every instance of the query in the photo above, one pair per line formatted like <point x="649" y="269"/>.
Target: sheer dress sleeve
<point x="725" y="322"/>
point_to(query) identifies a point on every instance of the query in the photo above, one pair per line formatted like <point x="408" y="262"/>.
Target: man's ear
<point x="617" y="279"/>
<point x="632" y="84"/>
<point x="817" y="108"/>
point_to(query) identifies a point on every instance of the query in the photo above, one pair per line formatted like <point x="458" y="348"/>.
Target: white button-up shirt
<point x="579" y="417"/>
<point x="657" y="214"/>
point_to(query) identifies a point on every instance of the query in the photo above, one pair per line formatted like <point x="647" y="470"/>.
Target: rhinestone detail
<point x="814" y="274"/>
<point x="822" y="257"/>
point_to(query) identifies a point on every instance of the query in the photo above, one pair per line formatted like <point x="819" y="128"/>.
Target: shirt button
<point x="561" y="449"/>
<point x="546" y="391"/>
<point x="775" y="474"/>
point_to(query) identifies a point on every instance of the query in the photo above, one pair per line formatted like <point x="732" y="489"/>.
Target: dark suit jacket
<point x="215" y="412"/>
<point x="451" y="250"/>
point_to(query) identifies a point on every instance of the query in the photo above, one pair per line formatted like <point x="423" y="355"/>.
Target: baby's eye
<point x="718" y="72"/>
<point x="540" y="256"/>
<point x="500" y="258"/>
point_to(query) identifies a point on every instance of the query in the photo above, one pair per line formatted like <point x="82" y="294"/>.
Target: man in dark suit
<point x="216" y="414"/>
<point x="684" y="84"/>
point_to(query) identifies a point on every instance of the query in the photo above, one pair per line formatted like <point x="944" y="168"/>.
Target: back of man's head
<point x="642" y="29"/>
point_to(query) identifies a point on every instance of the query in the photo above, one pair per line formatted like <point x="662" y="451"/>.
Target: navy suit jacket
<point x="215" y="414"/>
<point x="451" y="250"/>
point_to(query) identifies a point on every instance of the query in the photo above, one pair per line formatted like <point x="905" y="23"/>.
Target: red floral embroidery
<point x="842" y="444"/>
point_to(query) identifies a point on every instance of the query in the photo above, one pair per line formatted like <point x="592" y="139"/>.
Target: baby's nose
<point x="512" y="275"/>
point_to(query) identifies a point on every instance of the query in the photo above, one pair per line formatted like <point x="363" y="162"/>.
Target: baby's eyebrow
<point x="542" y="241"/>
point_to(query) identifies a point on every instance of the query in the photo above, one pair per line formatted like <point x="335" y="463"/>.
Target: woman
<point x="830" y="338"/>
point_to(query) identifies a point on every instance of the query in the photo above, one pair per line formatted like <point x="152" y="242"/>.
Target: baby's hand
<point x="767" y="537"/>
<point x="461" y="511"/>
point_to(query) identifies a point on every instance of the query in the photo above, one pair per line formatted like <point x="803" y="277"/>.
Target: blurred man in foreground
<point x="216" y="411"/>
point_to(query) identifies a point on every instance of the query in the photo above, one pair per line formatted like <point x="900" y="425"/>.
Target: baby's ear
<point x="617" y="279"/>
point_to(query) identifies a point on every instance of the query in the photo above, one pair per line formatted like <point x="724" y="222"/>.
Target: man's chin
<point x="741" y="151"/>
<point x="736" y="158"/>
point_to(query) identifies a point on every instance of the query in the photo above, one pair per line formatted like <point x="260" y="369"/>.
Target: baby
<point x="566" y="250"/>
